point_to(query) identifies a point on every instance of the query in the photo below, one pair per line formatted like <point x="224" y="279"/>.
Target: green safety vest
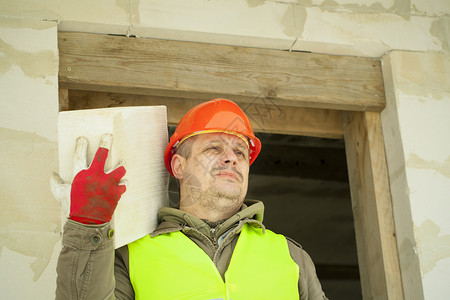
<point x="172" y="267"/>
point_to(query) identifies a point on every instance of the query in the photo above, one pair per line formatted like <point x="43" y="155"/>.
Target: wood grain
<point x="372" y="206"/>
<point x="205" y="71"/>
<point x="63" y="95"/>
<point x="265" y="116"/>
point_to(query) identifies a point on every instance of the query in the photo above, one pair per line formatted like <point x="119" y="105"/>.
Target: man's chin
<point x="230" y="191"/>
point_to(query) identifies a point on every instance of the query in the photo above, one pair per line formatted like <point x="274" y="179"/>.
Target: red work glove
<point x="94" y="194"/>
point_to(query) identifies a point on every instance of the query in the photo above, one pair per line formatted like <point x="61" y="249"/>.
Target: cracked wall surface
<point x="343" y="27"/>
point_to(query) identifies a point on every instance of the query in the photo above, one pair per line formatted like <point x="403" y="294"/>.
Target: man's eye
<point x="213" y="148"/>
<point x="240" y="153"/>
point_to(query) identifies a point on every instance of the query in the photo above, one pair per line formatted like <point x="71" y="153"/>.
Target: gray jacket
<point x="89" y="268"/>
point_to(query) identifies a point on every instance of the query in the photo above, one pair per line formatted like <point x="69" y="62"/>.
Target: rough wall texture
<point x="347" y="27"/>
<point x="30" y="223"/>
<point x="418" y="148"/>
<point x="29" y="217"/>
<point x="423" y="96"/>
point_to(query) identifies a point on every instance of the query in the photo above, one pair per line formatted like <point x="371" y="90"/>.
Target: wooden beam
<point x="266" y="116"/>
<point x="205" y="71"/>
<point x="372" y="207"/>
<point x="63" y="99"/>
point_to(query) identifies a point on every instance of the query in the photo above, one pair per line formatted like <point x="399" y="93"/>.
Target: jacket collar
<point x="173" y="219"/>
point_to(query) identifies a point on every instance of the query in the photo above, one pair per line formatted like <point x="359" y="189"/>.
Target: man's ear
<point x="177" y="165"/>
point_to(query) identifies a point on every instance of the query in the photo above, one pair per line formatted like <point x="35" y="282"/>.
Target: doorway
<point x="303" y="182"/>
<point x="315" y="95"/>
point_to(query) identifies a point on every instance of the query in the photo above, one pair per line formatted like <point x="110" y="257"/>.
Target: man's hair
<point x="185" y="148"/>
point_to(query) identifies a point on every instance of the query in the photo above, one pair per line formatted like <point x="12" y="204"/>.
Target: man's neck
<point x="211" y="215"/>
<point x="214" y="224"/>
<point x="208" y="206"/>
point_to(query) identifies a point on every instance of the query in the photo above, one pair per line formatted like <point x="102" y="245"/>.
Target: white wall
<point x="416" y="126"/>
<point x="414" y="123"/>
<point x="30" y="223"/>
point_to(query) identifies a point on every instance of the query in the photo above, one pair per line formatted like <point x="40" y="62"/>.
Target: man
<point x="213" y="246"/>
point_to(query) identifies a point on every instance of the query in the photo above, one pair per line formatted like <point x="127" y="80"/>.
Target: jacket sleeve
<point x="309" y="286"/>
<point x="86" y="265"/>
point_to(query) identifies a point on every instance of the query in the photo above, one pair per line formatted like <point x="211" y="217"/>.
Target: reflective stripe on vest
<point x="171" y="266"/>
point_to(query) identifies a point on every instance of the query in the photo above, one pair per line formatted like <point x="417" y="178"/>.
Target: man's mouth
<point x="228" y="174"/>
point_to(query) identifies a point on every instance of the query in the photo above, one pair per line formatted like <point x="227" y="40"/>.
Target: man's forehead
<point x="221" y="137"/>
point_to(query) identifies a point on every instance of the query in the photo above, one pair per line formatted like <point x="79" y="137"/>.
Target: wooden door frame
<point x="297" y="93"/>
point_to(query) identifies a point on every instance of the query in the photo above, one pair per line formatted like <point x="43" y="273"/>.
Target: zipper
<point x="203" y="236"/>
<point x="213" y="234"/>
<point x="226" y="241"/>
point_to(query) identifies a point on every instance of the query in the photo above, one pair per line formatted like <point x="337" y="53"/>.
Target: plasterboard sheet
<point x="139" y="140"/>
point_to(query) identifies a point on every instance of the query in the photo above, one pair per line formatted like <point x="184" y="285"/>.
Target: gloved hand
<point x="94" y="194"/>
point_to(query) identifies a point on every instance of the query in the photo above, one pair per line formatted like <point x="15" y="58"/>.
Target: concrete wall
<point x="415" y="123"/>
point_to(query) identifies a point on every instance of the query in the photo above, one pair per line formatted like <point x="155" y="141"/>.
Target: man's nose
<point x="229" y="157"/>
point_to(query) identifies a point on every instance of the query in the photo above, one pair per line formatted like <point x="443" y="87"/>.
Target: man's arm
<point x="88" y="267"/>
<point x="124" y="289"/>
<point x="86" y="263"/>
<point x="309" y="286"/>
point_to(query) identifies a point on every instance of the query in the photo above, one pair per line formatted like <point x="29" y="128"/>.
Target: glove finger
<point x="120" y="164"/>
<point x="79" y="160"/>
<point x="117" y="174"/>
<point x="60" y="191"/>
<point x="121" y="189"/>
<point x="102" y="153"/>
<point x="57" y="186"/>
<point x="56" y="179"/>
<point x="106" y="141"/>
<point x="98" y="163"/>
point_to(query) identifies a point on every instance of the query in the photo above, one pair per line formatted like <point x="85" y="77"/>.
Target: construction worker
<point x="213" y="246"/>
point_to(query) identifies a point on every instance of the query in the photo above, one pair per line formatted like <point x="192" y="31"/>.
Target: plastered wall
<point x="410" y="36"/>
<point x="347" y="27"/>
<point x="30" y="222"/>
<point x="416" y="129"/>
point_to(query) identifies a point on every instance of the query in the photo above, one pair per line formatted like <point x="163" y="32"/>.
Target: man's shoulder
<point x="298" y="254"/>
<point x="294" y="242"/>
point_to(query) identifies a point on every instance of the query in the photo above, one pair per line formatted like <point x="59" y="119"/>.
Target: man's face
<point x="217" y="169"/>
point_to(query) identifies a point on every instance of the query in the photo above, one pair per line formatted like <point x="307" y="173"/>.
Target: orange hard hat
<point x="217" y="115"/>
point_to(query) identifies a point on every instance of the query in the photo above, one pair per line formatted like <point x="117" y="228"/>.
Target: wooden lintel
<point x="265" y="116"/>
<point x="63" y="99"/>
<point x="205" y="71"/>
<point x="372" y="206"/>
